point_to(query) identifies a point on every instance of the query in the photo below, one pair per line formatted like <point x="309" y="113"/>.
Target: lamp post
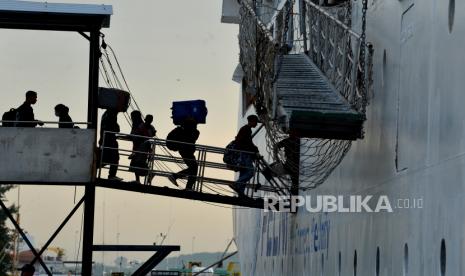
<point x="193" y="239"/>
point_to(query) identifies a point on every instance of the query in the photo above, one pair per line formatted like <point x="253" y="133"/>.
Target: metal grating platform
<point x="314" y="107"/>
<point x="186" y="194"/>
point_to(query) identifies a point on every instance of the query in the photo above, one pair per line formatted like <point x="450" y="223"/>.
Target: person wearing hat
<point x="27" y="270"/>
<point x="244" y="142"/>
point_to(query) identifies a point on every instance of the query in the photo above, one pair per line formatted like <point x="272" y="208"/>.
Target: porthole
<point x="355" y="263"/>
<point x="443" y="257"/>
<point x="339" y="264"/>
<point x="451" y="15"/>
<point x="377" y="262"/>
<point x="405" y="259"/>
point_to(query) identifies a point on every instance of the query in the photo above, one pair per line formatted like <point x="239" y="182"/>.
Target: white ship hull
<point x="413" y="149"/>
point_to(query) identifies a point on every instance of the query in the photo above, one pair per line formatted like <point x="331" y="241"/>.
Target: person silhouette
<point x="188" y="136"/>
<point x="62" y="112"/>
<point x="25" y="113"/>
<point x="108" y="143"/>
<point x="244" y="142"/>
<point x="27" y="270"/>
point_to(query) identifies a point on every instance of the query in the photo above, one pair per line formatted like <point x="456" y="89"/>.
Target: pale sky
<point x="169" y="50"/>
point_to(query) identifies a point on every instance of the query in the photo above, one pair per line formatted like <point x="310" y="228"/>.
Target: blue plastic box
<point x="195" y="109"/>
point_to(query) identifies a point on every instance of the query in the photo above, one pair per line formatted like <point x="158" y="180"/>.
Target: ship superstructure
<point x="409" y="89"/>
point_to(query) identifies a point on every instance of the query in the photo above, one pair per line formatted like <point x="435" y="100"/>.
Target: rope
<point x="332" y="47"/>
<point x="112" y="79"/>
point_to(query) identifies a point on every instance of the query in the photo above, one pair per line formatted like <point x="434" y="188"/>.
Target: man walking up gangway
<point x="206" y="187"/>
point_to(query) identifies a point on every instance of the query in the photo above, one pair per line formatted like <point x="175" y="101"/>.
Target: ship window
<point x="339" y="264"/>
<point x="405" y="260"/>
<point x="451" y="15"/>
<point x="377" y="261"/>
<point x="355" y="263"/>
<point x="443" y="257"/>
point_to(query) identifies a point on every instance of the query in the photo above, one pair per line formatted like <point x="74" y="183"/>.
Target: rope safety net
<point x="327" y="37"/>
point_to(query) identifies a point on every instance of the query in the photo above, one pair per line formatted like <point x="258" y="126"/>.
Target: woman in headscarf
<point x="141" y="145"/>
<point x="65" y="121"/>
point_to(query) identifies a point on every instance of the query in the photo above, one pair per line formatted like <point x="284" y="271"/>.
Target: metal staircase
<point x="310" y="73"/>
<point x="314" y="108"/>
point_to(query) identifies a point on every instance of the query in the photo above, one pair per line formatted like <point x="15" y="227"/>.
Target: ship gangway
<point x="208" y="187"/>
<point x="310" y="78"/>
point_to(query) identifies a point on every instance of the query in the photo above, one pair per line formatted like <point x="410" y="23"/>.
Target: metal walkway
<point x="179" y="193"/>
<point x="314" y="107"/>
<point x="161" y="163"/>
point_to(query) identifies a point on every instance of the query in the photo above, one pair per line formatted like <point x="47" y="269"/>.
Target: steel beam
<point x="50" y="240"/>
<point x="89" y="205"/>
<point x="42" y="183"/>
<point x="151" y="263"/>
<point x="165" y="191"/>
<point x="122" y="247"/>
<point x="217" y="263"/>
<point x="161" y="252"/>
<point x="84" y="35"/>
<point x="23" y="235"/>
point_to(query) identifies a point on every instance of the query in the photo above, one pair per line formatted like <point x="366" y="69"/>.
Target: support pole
<point x="151" y="263"/>
<point x="161" y="252"/>
<point x="303" y="10"/>
<point x="50" y="240"/>
<point x="218" y="262"/>
<point x="89" y="205"/>
<point x="92" y="100"/>
<point x="23" y="235"/>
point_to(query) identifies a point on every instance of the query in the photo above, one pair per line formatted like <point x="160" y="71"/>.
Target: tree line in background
<point x="6" y="235"/>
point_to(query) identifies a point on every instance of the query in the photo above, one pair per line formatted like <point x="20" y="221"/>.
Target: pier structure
<point x="70" y="157"/>
<point x="62" y="156"/>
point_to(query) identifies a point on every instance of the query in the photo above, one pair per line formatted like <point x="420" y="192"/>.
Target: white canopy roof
<point x="31" y="6"/>
<point x="16" y="14"/>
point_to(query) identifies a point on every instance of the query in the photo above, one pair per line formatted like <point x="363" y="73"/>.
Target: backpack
<point x="173" y="136"/>
<point x="231" y="157"/>
<point x="10" y="115"/>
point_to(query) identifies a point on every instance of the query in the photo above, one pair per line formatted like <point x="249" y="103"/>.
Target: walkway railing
<point x="13" y="123"/>
<point x="341" y="53"/>
<point x="160" y="162"/>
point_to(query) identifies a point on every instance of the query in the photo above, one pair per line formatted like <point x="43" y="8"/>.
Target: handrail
<point x="164" y="159"/>
<point x="162" y="142"/>
<point x="337" y="21"/>
<point x="259" y="22"/>
<point x="45" y="122"/>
